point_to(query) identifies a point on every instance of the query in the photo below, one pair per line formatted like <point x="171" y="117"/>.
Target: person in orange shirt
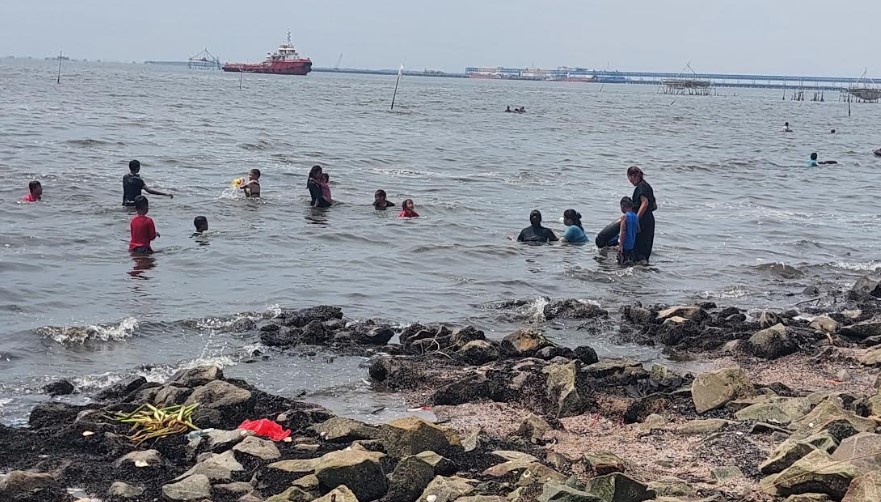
<point x="142" y="227"/>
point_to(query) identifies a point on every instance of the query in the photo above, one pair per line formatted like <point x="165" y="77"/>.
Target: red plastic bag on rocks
<point x="267" y="428"/>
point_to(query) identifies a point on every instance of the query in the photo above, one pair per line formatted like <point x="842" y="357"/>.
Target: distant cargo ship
<point x="285" y="61"/>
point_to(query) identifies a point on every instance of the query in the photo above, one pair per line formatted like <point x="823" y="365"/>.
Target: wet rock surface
<point x="748" y="439"/>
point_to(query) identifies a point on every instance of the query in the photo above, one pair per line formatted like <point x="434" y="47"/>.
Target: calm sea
<point x="736" y="202"/>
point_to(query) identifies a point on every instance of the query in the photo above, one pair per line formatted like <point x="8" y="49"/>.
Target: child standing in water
<point x="142" y="227"/>
<point x="325" y="187"/>
<point x="35" y="192"/>
<point x="407" y="210"/>
<point x="252" y="186"/>
<point x="627" y="234"/>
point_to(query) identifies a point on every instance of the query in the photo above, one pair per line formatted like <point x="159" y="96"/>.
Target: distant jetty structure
<point x="687" y="83"/>
<point x="864" y="90"/>
<point x="204" y="61"/>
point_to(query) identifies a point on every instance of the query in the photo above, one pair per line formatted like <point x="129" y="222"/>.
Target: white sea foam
<point x="871" y="266"/>
<point x="74" y="335"/>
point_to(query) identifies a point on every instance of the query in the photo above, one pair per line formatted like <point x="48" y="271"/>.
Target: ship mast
<point x="289" y="37"/>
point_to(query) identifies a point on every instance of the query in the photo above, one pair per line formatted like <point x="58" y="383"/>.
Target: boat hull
<point x="302" y="67"/>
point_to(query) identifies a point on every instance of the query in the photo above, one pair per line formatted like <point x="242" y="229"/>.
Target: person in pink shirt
<point x="35" y="192"/>
<point x="408" y="210"/>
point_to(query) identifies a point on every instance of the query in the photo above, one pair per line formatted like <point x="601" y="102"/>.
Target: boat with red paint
<point x="285" y="61"/>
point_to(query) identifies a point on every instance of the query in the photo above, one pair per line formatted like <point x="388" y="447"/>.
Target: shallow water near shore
<point x="735" y="202"/>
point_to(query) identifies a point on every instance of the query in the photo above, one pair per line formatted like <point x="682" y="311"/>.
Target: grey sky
<point x="762" y="36"/>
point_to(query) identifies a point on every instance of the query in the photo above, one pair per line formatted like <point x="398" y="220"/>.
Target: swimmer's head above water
<point x="254" y="174"/>
<point x="35" y="189"/>
<point x="814" y="156"/>
<point x="134" y="166"/>
<point x="201" y="224"/>
<point x="535" y="217"/>
<point x="142" y="205"/>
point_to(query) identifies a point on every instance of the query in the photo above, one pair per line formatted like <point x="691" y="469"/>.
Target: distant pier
<point x="755" y="81"/>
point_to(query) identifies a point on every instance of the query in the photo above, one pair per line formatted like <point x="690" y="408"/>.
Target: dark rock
<point x="409" y="479"/>
<point x="524" y="343"/>
<point x="301" y="318"/>
<point x="473" y="388"/>
<point x="573" y="309"/>
<point x="360" y="471"/>
<point x="637" y="315"/>
<point x="31" y="486"/>
<point x="772" y="342"/>
<point x="617" y="487"/>
<point x="195" y="377"/>
<point x="549" y="353"/>
<point x="863" y="329"/>
<point x="61" y="387"/>
<point x="412" y="435"/>
<point x="463" y="336"/>
<point x="477" y="352"/>
<point x="316" y="333"/>
<point x="171" y="395"/>
<point x="811" y="291"/>
<point x="586" y="355"/>
<point x="121" y="389"/>
<point x="867" y="286"/>
<point x="54" y="415"/>
<point x="379" y="335"/>
<point x="221" y="404"/>
<point x="284" y="337"/>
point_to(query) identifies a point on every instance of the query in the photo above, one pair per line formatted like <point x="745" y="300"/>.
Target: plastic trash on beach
<point x="266" y="428"/>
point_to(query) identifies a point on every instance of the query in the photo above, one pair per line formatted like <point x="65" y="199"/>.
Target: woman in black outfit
<point x="315" y="189"/>
<point x="644" y="200"/>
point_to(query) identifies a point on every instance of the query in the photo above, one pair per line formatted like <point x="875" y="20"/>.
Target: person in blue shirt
<point x="574" y="231"/>
<point x="814" y="163"/>
<point x="627" y="235"/>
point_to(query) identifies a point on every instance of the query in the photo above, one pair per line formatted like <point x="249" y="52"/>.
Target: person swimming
<point x="786" y="127"/>
<point x="812" y="162"/>
<point x="574" y="230"/>
<point x="508" y="109"/>
<point x="408" y="210"/>
<point x="380" y="203"/>
<point x="535" y="232"/>
<point x="35" y="192"/>
<point x="201" y="224"/>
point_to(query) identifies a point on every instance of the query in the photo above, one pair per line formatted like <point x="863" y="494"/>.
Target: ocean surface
<point x="736" y="204"/>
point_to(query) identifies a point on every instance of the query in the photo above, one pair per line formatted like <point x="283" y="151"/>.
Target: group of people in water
<point x="518" y="109"/>
<point x="632" y="234"/>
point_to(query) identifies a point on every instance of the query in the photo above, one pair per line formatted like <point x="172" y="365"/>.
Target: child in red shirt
<point x="407" y="210"/>
<point x="35" y="192"/>
<point x="143" y="229"/>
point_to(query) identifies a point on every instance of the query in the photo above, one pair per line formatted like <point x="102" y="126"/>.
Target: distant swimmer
<point x="786" y="127"/>
<point x="35" y="192"/>
<point x="574" y="230"/>
<point x="408" y="210"/>
<point x="201" y="224"/>
<point x="252" y="185"/>
<point x="142" y="227"/>
<point x="380" y="203"/>
<point x="832" y="132"/>
<point x="314" y="186"/>
<point x="877" y="152"/>
<point x="812" y="162"/>
<point x="132" y="184"/>
<point x="508" y="109"/>
<point x="535" y="232"/>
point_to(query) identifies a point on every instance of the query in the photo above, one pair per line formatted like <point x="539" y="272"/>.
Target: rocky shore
<point x="786" y="407"/>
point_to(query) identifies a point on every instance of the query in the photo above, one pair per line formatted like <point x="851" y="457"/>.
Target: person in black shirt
<point x="535" y="232"/>
<point x="132" y="184"/>
<point x="644" y="200"/>
<point x="314" y="186"/>
<point x="380" y="203"/>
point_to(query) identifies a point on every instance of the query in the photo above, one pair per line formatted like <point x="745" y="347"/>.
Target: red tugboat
<point x="285" y="61"/>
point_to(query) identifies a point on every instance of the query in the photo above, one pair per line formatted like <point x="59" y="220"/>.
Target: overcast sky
<point x="745" y="36"/>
